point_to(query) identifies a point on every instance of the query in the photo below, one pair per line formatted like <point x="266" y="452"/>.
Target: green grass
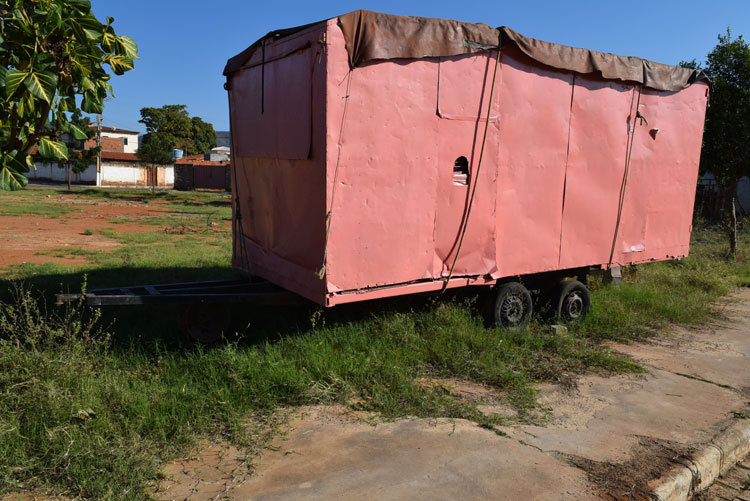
<point x="95" y="414"/>
<point x="23" y="204"/>
<point x="69" y="252"/>
<point x="657" y="294"/>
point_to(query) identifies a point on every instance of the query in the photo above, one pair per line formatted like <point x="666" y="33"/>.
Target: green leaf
<point x="86" y="84"/>
<point x="127" y="47"/>
<point x="11" y="178"/>
<point x="77" y="132"/>
<point x="93" y="34"/>
<point x="42" y="85"/>
<point x="109" y="39"/>
<point x="119" y="64"/>
<point x="84" y="5"/>
<point x="13" y="80"/>
<point x="26" y="106"/>
<point x="17" y="163"/>
<point x="53" y="149"/>
<point x="89" y="26"/>
<point x="91" y="103"/>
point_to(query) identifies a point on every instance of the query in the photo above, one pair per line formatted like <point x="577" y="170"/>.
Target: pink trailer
<point x="377" y="155"/>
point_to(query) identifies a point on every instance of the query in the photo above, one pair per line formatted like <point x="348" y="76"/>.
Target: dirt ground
<point x="603" y="437"/>
<point x="29" y="239"/>
<point x="734" y="485"/>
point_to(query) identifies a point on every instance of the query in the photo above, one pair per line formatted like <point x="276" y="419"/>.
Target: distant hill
<point x="222" y="138"/>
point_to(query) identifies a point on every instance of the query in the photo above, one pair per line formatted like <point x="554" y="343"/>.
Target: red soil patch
<point x="28" y="239"/>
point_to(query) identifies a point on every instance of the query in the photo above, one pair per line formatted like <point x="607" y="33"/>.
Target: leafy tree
<point x="727" y="131"/>
<point x="176" y="129"/>
<point x="154" y="151"/>
<point x="52" y="55"/>
<point x="204" y="136"/>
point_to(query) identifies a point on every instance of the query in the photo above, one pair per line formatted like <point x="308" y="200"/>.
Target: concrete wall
<point x="52" y="172"/>
<point x="128" y="174"/>
<point x="113" y="174"/>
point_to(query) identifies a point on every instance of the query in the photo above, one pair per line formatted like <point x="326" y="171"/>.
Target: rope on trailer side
<point x="624" y="184"/>
<point x="237" y="219"/>
<point x="237" y="229"/>
<point x="476" y="176"/>
<point x="329" y="215"/>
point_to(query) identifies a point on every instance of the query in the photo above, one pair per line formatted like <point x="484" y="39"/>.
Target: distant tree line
<point x="171" y="127"/>
<point x="726" y="137"/>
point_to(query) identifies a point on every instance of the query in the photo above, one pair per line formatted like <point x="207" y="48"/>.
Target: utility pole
<point x="99" y="151"/>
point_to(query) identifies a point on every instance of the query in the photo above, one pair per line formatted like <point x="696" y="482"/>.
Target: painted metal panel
<point x="534" y="117"/>
<point x="463" y="100"/>
<point x="599" y="131"/>
<point x="464" y="87"/>
<point x="282" y="200"/>
<point x="659" y="195"/>
<point x="271" y="106"/>
<point x="282" y="209"/>
<point x="383" y="140"/>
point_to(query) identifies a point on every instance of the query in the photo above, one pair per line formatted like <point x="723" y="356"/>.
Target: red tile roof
<point x="115" y="130"/>
<point x="120" y="155"/>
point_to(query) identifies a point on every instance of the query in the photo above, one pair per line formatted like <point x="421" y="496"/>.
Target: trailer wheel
<point x="204" y="323"/>
<point x="572" y="301"/>
<point x="513" y="306"/>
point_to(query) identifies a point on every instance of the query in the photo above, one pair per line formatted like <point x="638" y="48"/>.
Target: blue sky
<point x="184" y="45"/>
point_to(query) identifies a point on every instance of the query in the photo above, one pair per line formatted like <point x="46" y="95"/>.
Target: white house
<point x="129" y="137"/>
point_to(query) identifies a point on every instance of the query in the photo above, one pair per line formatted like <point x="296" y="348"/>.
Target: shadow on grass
<point x="154" y="328"/>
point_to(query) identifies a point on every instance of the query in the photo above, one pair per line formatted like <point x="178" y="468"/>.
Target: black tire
<point x="571" y="300"/>
<point x="204" y="323"/>
<point x="513" y="306"/>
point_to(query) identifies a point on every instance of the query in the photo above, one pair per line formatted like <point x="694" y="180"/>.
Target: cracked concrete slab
<point x="408" y="458"/>
<point x="604" y="417"/>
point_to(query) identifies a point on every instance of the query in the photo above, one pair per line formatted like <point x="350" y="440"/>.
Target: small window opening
<point x="125" y="141"/>
<point x="461" y="172"/>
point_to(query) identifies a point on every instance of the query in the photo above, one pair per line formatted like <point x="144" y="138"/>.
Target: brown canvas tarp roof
<point x="372" y="36"/>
